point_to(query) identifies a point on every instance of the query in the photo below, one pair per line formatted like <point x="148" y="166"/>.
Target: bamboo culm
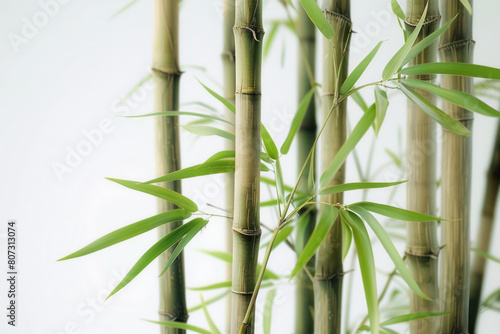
<point x="485" y="233"/>
<point x="228" y="58"/>
<point x="422" y="247"/>
<point x="248" y="33"/>
<point x="166" y="76"/>
<point x="456" y="45"/>
<point x="304" y="311"/>
<point x="329" y="269"/>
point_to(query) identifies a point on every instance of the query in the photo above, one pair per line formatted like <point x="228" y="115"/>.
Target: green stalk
<point x="422" y="246"/>
<point x="456" y="45"/>
<point x="304" y="310"/>
<point x="485" y="232"/>
<point x="248" y="33"/>
<point x="166" y="76"/>
<point x="228" y="59"/>
<point x="329" y="269"/>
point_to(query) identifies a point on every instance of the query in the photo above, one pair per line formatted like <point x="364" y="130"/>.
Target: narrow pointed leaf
<point x="412" y="316"/>
<point x="486" y="254"/>
<point x="396" y="61"/>
<point x="381" y="103"/>
<point x="124" y="8"/>
<point x="328" y="217"/>
<point x="224" y="101"/>
<point x="396" y="9"/>
<point x="389" y="247"/>
<point x="279" y="182"/>
<point x="356" y="186"/>
<point x="461" y="99"/>
<point x="268" y="41"/>
<point x="183" y="243"/>
<point x="152" y="253"/>
<point x="434" y="112"/>
<point x="210" y="168"/>
<point x="283" y="234"/>
<point x="269" y="144"/>
<point x="166" y="194"/>
<point x="297" y="121"/>
<point x="467" y="5"/>
<point x="210" y="301"/>
<point x="181" y="325"/>
<point x="359" y="70"/>
<point x="205" y="130"/>
<point x="130" y="231"/>
<point x="357" y="133"/>
<point x="356" y="96"/>
<point x="215" y="286"/>
<point x="183" y="113"/>
<point x="210" y="322"/>
<point x="420" y="46"/>
<point x="367" y="266"/>
<point x="268" y="309"/>
<point x="395" y="213"/>
<point x="461" y="69"/>
<point x="316" y="15"/>
<point x="346" y="239"/>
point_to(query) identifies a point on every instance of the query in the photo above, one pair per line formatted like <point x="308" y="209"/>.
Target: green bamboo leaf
<point x="205" y="130"/>
<point x="181" y="325"/>
<point x="215" y="286"/>
<point x="130" y="231"/>
<point x="279" y="182"/>
<point x="283" y="234"/>
<point x="411" y="316"/>
<point x="268" y="309"/>
<point x="210" y="322"/>
<point x="359" y="70"/>
<point x="124" y="8"/>
<point x="492" y="301"/>
<point x="224" y="101"/>
<point x="356" y="96"/>
<point x="269" y="144"/>
<point x="396" y="213"/>
<point x="210" y="301"/>
<point x="166" y="194"/>
<point x="351" y="142"/>
<point x="220" y="155"/>
<point x="346" y="239"/>
<point x="183" y="113"/>
<point x="159" y="247"/>
<point x="316" y="15"/>
<point x="297" y="121"/>
<point x="486" y="254"/>
<point x="328" y="217"/>
<point x="268" y="41"/>
<point x="394" y="157"/>
<point x="272" y="182"/>
<point x="396" y="61"/>
<point x="137" y="86"/>
<point x="183" y="243"/>
<point x="381" y="104"/>
<point x="461" y="69"/>
<point x="357" y="186"/>
<point x="302" y="223"/>
<point x="434" y="112"/>
<point x="467" y="5"/>
<point x="366" y="264"/>
<point x="214" y="167"/>
<point x="396" y="9"/>
<point x="200" y="104"/>
<point x="420" y="46"/>
<point x="389" y="247"/>
<point x="461" y="99"/>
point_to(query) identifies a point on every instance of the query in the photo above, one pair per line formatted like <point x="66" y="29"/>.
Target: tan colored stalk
<point x="422" y="247"/>
<point x="304" y="310"/>
<point x="485" y="233"/>
<point x="248" y="32"/>
<point x="456" y="45"/>
<point x="166" y="76"/>
<point x="329" y="269"/>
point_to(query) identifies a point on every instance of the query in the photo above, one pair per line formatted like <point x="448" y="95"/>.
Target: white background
<point x="67" y="79"/>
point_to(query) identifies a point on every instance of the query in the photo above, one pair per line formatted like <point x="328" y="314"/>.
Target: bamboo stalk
<point x="228" y="59"/>
<point x="248" y="32"/>
<point x="304" y="310"/>
<point x="329" y="269"/>
<point x="456" y="45"/>
<point x="166" y="76"/>
<point x="485" y="232"/>
<point x="422" y="246"/>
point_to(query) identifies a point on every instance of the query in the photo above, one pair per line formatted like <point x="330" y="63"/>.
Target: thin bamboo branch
<point x="485" y="232"/>
<point x="248" y="32"/>
<point x="306" y="31"/>
<point x="166" y="76"/>
<point x="228" y="58"/>
<point x="422" y="247"/>
<point x="456" y="45"/>
<point x="329" y="269"/>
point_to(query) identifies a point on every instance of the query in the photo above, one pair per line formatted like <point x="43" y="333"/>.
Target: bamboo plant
<point x="304" y="311"/>
<point x="456" y="45"/>
<point x="422" y="247"/>
<point x="228" y="57"/>
<point x="248" y="33"/>
<point x="485" y="233"/>
<point x="329" y="268"/>
<point x="166" y="76"/>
